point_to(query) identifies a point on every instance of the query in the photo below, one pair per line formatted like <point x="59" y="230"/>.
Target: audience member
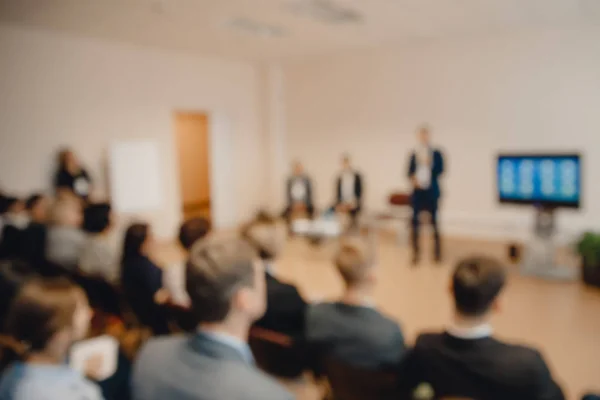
<point x="286" y="309"/>
<point x="14" y="220"/>
<point x="299" y="193"/>
<point x="65" y="237"/>
<point x="44" y="320"/>
<point x="227" y="290"/>
<point x="351" y="329"/>
<point x="99" y="254"/>
<point x="141" y="278"/>
<point x="71" y="177"/>
<point x="190" y="232"/>
<point x="466" y="361"/>
<point x="33" y="239"/>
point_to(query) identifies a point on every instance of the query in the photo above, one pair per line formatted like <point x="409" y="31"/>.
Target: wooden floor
<point x="561" y="319"/>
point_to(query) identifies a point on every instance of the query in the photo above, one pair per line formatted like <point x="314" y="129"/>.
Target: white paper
<point x="135" y="176"/>
<point x="105" y="346"/>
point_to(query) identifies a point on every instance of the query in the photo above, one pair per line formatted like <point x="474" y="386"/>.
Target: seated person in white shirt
<point x="190" y="232"/>
<point x="351" y="329"/>
<point x="299" y="193"/>
<point x="100" y="254"/>
<point x="65" y="237"/>
<point x="349" y="190"/>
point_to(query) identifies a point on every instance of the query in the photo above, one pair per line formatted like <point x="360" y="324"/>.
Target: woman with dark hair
<point x="71" y="178"/>
<point x="141" y="278"/>
<point x="45" y="319"/>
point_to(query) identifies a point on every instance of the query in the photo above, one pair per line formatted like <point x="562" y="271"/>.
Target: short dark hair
<point x="476" y="283"/>
<point x="215" y="271"/>
<point x="266" y="248"/>
<point x="32" y="201"/>
<point x="193" y="230"/>
<point x="96" y="217"/>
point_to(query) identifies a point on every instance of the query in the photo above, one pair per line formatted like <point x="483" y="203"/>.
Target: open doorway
<point x="193" y="154"/>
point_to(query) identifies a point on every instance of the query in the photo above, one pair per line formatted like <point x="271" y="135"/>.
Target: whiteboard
<point x="135" y="176"/>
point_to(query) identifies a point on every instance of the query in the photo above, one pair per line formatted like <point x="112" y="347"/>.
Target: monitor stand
<point x="540" y="253"/>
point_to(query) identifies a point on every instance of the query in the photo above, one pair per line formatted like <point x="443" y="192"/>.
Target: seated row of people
<point x="348" y="192"/>
<point x="464" y="360"/>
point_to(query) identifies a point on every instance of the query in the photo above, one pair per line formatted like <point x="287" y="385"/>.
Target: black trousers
<point x="425" y="200"/>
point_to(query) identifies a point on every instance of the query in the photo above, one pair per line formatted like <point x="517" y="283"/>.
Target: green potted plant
<point x="588" y="248"/>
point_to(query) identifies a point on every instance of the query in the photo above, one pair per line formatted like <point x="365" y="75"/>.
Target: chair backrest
<point x="399" y="199"/>
<point x="276" y="353"/>
<point x="351" y="383"/>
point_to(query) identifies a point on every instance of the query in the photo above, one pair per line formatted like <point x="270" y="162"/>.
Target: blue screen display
<point x="540" y="179"/>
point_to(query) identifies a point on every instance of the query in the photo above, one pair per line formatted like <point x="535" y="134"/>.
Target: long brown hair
<point x="41" y="309"/>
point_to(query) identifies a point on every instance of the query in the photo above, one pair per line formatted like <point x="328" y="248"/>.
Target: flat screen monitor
<point x="549" y="180"/>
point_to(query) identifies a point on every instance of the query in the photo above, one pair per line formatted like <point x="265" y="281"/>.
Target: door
<point x="191" y="131"/>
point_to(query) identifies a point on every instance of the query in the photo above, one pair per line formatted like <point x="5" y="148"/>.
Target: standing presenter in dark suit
<point x="426" y="167"/>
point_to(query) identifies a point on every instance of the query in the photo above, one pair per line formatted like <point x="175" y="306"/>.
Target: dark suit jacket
<point x="357" y="335"/>
<point x="141" y="279"/>
<point x="32" y="246"/>
<point x="481" y="369"/>
<point x="199" y="368"/>
<point x="358" y="189"/>
<point x="286" y="309"/>
<point x="307" y="183"/>
<point x="10" y="242"/>
<point x="437" y="169"/>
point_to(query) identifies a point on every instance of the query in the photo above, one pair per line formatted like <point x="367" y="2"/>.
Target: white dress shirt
<point x="424" y="159"/>
<point x="299" y="189"/>
<point x="348" y="178"/>
<point x="471" y="333"/>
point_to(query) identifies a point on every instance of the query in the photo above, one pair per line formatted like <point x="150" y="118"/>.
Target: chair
<point x="276" y="353"/>
<point x="352" y="383"/>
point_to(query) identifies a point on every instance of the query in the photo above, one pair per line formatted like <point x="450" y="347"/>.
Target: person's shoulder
<point x="74" y="387"/>
<point x="255" y="384"/>
<point x="429" y="340"/>
<point x="159" y="347"/>
<point x="520" y="355"/>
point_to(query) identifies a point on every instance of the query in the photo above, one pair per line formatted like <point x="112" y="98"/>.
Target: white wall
<point x="58" y="90"/>
<point x="481" y="96"/>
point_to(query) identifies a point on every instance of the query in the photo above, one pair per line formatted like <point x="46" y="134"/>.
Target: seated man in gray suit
<point x="227" y="290"/>
<point x="351" y="329"/>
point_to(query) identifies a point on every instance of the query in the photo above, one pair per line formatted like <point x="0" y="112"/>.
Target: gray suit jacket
<point x="199" y="368"/>
<point x="357" y="335"/>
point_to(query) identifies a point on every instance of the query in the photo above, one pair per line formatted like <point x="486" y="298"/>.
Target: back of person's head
<point x="266" y="235"/>
<point x="96" y="218"/>
<point x="355" y="262"/>
<point x="37" y="207"/>
<point x="46" y="316"/>
<point x="476" y="283"/>
<point x="135" y="238"/>
<point x="193" y="230"/>
<point x="66" y="212"/>
<point x="65" y="158"/>
<point x="223" y="280"/>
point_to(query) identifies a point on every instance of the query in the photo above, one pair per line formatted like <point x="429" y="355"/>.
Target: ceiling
<point x="275" y="29"/>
